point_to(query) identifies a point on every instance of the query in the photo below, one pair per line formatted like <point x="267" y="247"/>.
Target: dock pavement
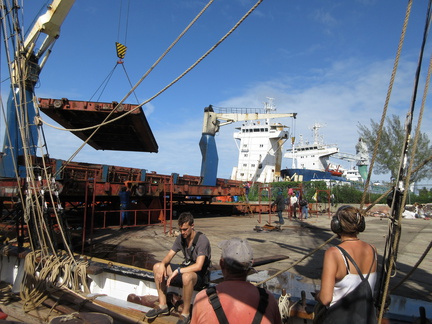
<point x="144" y="246"/>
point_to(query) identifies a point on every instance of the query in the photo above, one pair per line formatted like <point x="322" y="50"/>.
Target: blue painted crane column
<point x="210" y="160"/>
<point x="208" y="148"/>
<point x="20" y="112"/>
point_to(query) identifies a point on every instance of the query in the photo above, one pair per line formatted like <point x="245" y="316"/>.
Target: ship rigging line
<point x="298" y="261"/>
<point x="383" y="116"/>
<point x="37" y="197"/>
<point x="132" y="90"/>
<point x="399" y="200"/>
<point x="391" y="236"/>
<point x="145" y="75"/>
<point x="166" y="87"/>
<point x="414" y="268"/>
<point x="387" y="100"/>
<point x="105" y="122"/>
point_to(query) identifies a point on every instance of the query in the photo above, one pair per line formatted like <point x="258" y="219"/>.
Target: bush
<point x="346" y="194"/>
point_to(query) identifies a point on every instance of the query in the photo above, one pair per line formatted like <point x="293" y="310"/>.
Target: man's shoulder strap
<point x="184" y="247"/>
<point x="262" y="306"/>
<point x="215" y="302"/>
<point x="195" y="240"/>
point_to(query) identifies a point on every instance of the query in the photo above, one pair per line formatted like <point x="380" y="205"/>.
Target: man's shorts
<point x="178" y="282"/>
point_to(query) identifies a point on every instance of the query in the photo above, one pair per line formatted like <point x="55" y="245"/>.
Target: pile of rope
<point x="44" y="275"/>
<point x="5" y="293"/>
<point x="284" y="306"/>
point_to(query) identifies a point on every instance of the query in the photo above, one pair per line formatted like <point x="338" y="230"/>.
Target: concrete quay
<point x="144" y="246"/>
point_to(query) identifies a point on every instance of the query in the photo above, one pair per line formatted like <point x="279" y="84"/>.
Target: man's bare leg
<point x="189" y="281"/>
<point x="161" y="286"/>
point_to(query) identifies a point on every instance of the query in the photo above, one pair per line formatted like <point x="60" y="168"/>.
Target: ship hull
<point x="308" y="175"/>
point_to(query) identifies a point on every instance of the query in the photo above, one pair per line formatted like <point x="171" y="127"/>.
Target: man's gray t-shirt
<point x="202" y="247"/>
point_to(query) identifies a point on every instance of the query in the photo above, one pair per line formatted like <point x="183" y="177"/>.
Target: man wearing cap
<point x="241" y="302"/>
<point x="190" y="274"/>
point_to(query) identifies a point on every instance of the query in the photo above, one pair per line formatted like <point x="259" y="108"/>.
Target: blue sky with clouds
<point x="329" y="61"/>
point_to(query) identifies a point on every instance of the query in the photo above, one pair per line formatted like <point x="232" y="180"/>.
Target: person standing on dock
<point x="190" y="275"/>
<point x="235" y="300"/>
<point x="304" y="208"/>
<point x="280" y="206"/>
<point x="293" y="204"/>
<point x="124" y="196"/>
<point x="247" y="189"/>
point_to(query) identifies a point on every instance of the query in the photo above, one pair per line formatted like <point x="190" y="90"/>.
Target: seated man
<point x="190" y="274"/>
<point x="235" y="300"/>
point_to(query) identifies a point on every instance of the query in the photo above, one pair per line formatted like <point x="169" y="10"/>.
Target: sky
<point x="328" y="61"/>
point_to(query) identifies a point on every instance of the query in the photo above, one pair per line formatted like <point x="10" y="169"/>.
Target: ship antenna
<point x="269" y="107"/>
<point x="315" y="129"/>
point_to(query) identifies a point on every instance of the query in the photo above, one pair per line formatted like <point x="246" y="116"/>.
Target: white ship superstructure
<point x="260" y="150"/>
<point x="353" y="175"/>
<point x="312" y="156"/>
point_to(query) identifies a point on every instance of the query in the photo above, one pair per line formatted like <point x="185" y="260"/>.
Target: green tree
<point x="425" y="195"/>
<point x="390" y="148"/>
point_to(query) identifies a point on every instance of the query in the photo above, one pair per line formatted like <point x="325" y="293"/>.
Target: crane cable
<point x="106" y="80"/>
<point x="167" y="86"/>
<point x="105" y="122"/>
<point x="121" y="53"/>
<point x="132" y="90"/>
<point x="119" y="23"/>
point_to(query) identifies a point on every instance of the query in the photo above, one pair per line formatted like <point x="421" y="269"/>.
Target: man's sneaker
<point x="155" y="312"/>
<point x="184" y="319"/>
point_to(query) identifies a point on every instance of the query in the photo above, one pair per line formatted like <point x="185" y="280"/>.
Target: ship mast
<point x="315" y="128"/>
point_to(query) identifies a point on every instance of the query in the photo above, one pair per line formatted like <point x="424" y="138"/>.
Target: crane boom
<point x="211" y="125"/>
<point x="49" y="24"/>
<point x="25" y="70"/>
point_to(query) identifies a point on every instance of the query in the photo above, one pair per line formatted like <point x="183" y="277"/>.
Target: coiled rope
<point x="283" y="305"/>
<point x="43" y="275"/>
<point x="5" y="292"/>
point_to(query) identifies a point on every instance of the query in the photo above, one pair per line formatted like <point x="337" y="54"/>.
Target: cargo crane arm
<point x="211" y="125"/>
<point x="48" y="24"/>
<point x="28" y="61"/>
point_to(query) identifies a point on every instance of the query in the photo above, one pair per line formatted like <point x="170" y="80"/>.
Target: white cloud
<point x="340" y="97"/>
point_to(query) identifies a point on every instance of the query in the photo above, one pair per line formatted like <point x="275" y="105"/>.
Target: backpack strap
<point x="215" y="302"/>
<point x="184" y="247"/>
<point x="197" y="235"/>
<point x="263" y="302"/>
<point x="359" y="272"/>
